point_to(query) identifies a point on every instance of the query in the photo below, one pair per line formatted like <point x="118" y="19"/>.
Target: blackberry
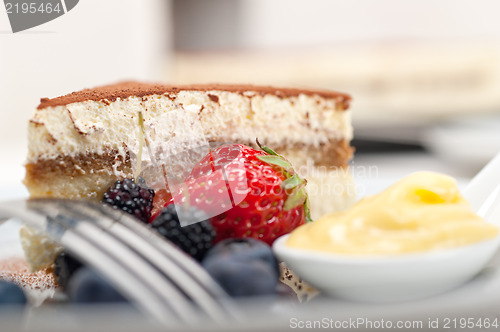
<point x="133" y="198"/>
<point x="195" y="239"/>
<point x="65" y="266"/>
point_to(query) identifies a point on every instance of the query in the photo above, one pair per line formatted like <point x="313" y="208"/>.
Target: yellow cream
<point x="424" y="211"/>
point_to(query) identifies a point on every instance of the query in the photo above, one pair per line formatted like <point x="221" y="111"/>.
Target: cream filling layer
<point x="192" y="116"/>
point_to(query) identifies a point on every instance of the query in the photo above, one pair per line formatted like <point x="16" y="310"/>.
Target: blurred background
<point x="424" y="75"/>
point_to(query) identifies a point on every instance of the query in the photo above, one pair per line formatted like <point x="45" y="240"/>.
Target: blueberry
<point x="243" y="267"/>
<point x="11" y="294"/>
<point x="246" y="249"/>
<point x="239" y="278"/>
<point x="87" y="286"/>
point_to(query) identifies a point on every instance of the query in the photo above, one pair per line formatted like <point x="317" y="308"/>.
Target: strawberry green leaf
<point x="298" y="197"/>
<point x="275" y="160"/>
<point x="269" y="150"/>
<point x="292" y="182"/>
<point x="307" y="212"/>
<point x="266" y="149"/>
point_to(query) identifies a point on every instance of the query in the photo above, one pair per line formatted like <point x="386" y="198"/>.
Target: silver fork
<point x="150" y="271"/>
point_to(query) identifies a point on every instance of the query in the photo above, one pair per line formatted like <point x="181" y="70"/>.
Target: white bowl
<point x="387" y="279"/>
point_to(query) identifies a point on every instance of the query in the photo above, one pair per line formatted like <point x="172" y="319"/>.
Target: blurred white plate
<point x="9" y="230"/>
<point x="471" y="141"/>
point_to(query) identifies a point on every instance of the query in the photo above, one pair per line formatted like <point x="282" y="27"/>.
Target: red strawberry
<point x="247" y="193"/>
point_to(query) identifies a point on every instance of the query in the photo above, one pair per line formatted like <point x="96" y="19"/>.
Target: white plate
<point x="9" y="230"/>
<point x="478" y="298"/>
<point x="9" y="239"/>
<point x="468" y="141"/>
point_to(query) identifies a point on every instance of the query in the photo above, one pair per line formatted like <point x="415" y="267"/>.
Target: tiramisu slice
<point x="79" y="144"/>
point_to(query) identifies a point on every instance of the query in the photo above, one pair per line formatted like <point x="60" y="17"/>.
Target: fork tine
<point x="65" y="231"/>
<point x="168" y="249"/>
<point x="164" y="256"/>
<point x="155" y="263"/>
<point x="130" y="284"/>
<point x="161" y="287"/>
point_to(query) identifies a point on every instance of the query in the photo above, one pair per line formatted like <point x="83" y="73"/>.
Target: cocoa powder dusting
<point x="16" y="270"/>
<point x="123" y="90"/>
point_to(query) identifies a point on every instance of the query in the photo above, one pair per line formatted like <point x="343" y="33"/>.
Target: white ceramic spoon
<point x="407" y="276"/>
<point x="483" y="191"/>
